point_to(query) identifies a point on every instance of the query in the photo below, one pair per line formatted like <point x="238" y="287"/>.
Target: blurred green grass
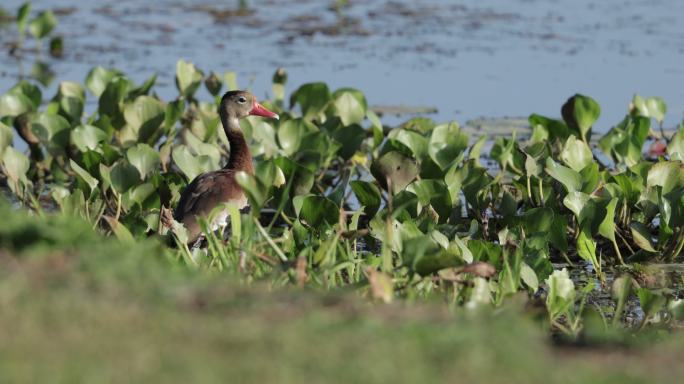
<point x="75" y="307"/>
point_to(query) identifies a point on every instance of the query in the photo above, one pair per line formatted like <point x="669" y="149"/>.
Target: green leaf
<point x="577" y="202"/>
<point x="201" y="148"/>
<point x="22" y="17"/>
<point x="29" y="90"/>
<point x="83" y="174"/>
<point x="6" y="137"/>
<point x="42" y="25"/>
<point x="120" y="231"/>
<point x="576" y="154"/>
<point x="509" y="277"/>
<point x="507" y="153"/>
<point x="376" y="128"/>
<point x="544" y="128"/>
<point x="558" y="236"/>
<point x="531" y="166"/>
<point x="42" y="72"/>
<point x="414" y="141"/>
<point x="97" y="79"/>
<point x="422" y="125"/>
<point x="188" y="78"/>
<point x="580" y="113"/>
<point x="254" y="189"/>
<point x="303" y="177"/>
<point x="465" y="253"/>
<point x="350" y="105"/>
<point x="676" y="309"/>
<point x="538" y="221"/>
<point x="667" y="174"/>
<point x="139" y="193"/>
<point x="71" y="97"/>
<point x="351" y="137"/>
<point x="476" y="149"/>
<point x="189" y="164"/>
<point x="264" y="137"/>
<point x="71" y="89"/>
<point x="489" y="252"/>
<point x="529" y="277"/>
<point x="628" y="187"/>
<point x="447" y="144"/>
<point x="476" y="185"/>
<point x="14" y="104"/>
<point x="318" y="210"/>
<point x="434" y="193"/>
<point x="586" y="249"/>
<point x="291" y="134"/>
<point x="590" y="178"/>
<point x="144" y="88"/>
<point x="424" y="256"/>
<point x="312" y="98"/>
<point x="395" y="167"/>
<point x="652" y="107"/>
<point x="123" y="176"/>
<point x="607" y="227"/>
<point x="676" y="146"/>
<point x="87" y="137"/>
<point x="16" y="164"/>
<point x="571" y="180"/>
<point x="642" y="236"/>
<point x="621" y="290"/>
<point x="368" y="195"/>
<point x="268" y="173"/>
<point x="52" y="130"/>
<point x="143" y="118"/>
<point x="625" y="141"/>
<point x="454" y="180"/>
<point x="113" y="95"/>
<point x="174" y="111"/>
<point x="650" y="302"/>
<point x="337" y="194"/>
<point x="143" y="158"/>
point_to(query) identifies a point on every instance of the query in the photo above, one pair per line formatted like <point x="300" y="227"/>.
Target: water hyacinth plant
<point x="339" y="199"/>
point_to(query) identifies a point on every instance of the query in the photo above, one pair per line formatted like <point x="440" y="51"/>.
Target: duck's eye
<point x="242" y="100"/>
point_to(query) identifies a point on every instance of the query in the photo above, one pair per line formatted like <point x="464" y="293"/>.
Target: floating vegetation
<point x="338" y="199"/>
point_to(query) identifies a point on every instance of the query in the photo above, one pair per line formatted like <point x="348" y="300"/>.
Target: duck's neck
<point x="240" y="158"/>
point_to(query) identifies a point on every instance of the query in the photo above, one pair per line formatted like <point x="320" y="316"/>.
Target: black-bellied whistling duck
<point x="210" y="189"/>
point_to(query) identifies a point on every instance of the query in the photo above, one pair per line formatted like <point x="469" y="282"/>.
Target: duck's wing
<point x="203" y="194"/>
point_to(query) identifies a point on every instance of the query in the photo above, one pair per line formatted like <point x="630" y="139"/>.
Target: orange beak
<point x="259" y="110"/>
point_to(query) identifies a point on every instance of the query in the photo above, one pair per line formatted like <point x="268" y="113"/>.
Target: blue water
<point x="485" y="58"/>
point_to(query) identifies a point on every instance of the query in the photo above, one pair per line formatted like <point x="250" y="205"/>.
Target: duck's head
<point x="239" y="104"/>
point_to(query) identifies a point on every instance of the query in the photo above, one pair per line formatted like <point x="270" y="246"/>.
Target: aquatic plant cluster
<point x="340" y="200"/>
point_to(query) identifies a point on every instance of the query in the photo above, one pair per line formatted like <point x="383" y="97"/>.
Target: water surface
<point x="469" y="59"/>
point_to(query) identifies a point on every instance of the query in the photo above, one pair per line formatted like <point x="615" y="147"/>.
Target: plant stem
<point x="270" y="241"/>
<point x="118" y="206"/>
<point x="386" y="246"/>
<point x="677" y="250"/>
<point x="617" y="250"/>
<point x="624" y="241"/>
